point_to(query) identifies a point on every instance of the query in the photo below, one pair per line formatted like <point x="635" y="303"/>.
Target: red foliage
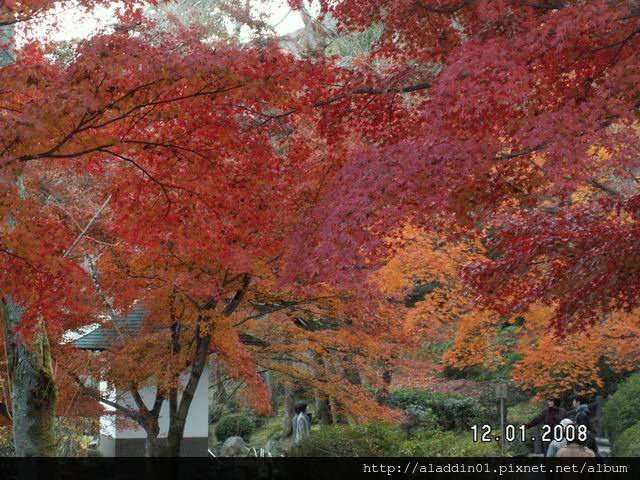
<point x="520" y="95"/>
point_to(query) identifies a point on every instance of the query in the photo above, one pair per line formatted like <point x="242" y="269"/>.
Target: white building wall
<point x="197" y="425"/>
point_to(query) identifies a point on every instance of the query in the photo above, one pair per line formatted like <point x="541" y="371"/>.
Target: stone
<point x="233" y="447"/>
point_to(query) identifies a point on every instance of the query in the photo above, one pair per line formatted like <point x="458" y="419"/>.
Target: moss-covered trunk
<point x="33" y="390"/>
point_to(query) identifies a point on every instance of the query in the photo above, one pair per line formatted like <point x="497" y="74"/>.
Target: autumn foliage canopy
<point x="279" y="208"/>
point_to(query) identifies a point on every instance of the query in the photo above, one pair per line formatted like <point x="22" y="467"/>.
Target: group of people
<point x="571" y="445"/>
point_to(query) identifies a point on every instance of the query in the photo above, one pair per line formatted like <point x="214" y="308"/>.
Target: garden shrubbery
<point x="388" y="440"/>
<point x="622" y="409"/>
<point x="451" y="410"/>
<point x="418" y="416"/>
<point x="234" y="425"/>
<point x="437" y="443"/>
<point x="71" y="437"/>
<point x="350" y="441"/>
<point x="628" y="443"/>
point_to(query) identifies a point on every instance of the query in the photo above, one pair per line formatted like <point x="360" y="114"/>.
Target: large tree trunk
<point x="33" y="390"/>
<point x="151" y="444"/>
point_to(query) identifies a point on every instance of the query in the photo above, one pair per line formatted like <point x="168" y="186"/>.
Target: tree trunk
<point x="219" y="375"/>
<point x="349" y="372"/>
<point x="33" y="390"/>
<point x="336" y="418"/>
<point x="151" y="444"/>
<point x="289" y="409"/>
<point x="387" y="377"/>
<point x="323" y="409"/>
<point x="178" y="420"/>
<point x="323" y="406"/>
<point x="270" y="381"/>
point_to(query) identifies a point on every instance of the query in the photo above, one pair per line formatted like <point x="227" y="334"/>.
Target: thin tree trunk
<point x="387" y="377"/>
<point x="323" y="408"/>
<point x="178" y="420"/>
<point x="33" y="390"/>
<point x="221" y="391"/>
<point x="349" y="372"/>
<point x="271" y="390"/>
<point x="289" y="412"/>
<point x="333" y="408"/>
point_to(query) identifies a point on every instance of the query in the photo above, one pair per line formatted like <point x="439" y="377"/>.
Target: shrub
<point x="71" y="435"/>
<point x="451" y="410"/>
<point x="436" y="443"/>
<point x="419" y="417"/>
<point x="628" y="443"/>
<point x="350" y="441"/>
<point x="388" y="441"/>
<point x="622" y="409"/>
<point x="234" y="425"/>
<point x="216" y="411"/>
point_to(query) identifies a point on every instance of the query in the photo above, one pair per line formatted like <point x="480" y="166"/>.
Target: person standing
<point x="556" y="445"/>
<point x="582" y="411"/>
<point x="575" y="448"/>
<point x="583" y="418"/>
<point x="301" y="423"/>
<point x="551" y="416"/>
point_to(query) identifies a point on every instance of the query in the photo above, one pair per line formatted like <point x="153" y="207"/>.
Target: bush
<point x="234" y="425"/>
<point x="216" y="411"/>
<point x="451" y="410"/>
<point x="622" y="409"/>
<point x="628" y="443"/>
<point x="388" y="441"/>
<point x="419" y="417"/>
<point x="436" y="443"/>
<point x="350" y="441"/>
<point x="72" y="435"/>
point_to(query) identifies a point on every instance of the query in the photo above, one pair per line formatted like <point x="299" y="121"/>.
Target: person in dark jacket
<point x="583" y="418"/>
<point x="582" y="411"/>
<point x="551" y="416"/>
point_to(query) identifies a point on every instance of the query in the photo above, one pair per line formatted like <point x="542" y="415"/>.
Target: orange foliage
<point x="545" y="363"/>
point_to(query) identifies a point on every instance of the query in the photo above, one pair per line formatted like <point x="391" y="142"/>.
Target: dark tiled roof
<point x="104" y="337"/>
